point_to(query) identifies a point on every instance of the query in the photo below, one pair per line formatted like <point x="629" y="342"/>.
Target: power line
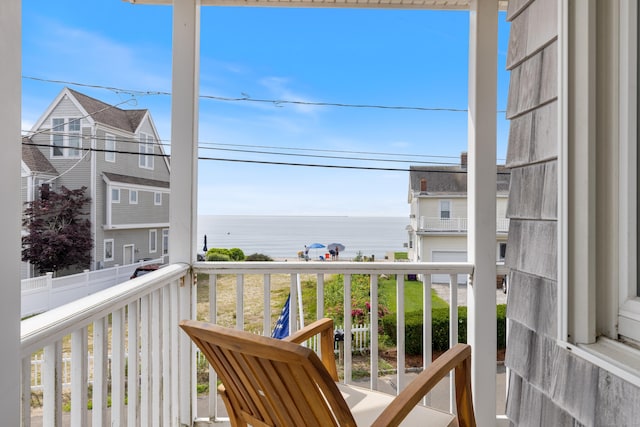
<point x="247" y="98"/>
<point x="264" y="161"/>
<point x="205" y="147"/>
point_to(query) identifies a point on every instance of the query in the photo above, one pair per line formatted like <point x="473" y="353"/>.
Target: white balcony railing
<point x="140" y="317"/>
<point x="459" y="225"/>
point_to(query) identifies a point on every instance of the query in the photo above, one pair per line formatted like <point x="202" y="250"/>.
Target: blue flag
<point x="281" y="329"/>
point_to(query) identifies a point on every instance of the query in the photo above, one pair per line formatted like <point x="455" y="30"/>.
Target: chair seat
<point x="366" y="405"/>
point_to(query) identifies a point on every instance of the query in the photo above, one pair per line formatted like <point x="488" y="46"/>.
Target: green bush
<point x="217" y="256"/>
<point x="258" y="257"/>
<point x="233" y="254"/>
<point x="236" y="254"/>
<point x="440" y="328"/>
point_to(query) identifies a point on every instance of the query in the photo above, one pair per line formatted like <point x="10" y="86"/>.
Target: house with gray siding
<point x="438" y="219"/>
<point x="573" y="302"/>
<point x="81" y="141"/>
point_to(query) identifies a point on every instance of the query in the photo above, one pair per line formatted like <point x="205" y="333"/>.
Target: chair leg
<point x="234" y="418"/>
<point x="464" y="400"/>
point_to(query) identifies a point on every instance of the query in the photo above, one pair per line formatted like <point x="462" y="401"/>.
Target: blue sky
<point x="381" y="58"/>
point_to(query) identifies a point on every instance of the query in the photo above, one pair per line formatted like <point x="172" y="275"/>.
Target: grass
<point x="412" y="295"/>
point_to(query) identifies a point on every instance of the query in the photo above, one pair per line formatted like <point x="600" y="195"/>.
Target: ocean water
<point x="282" y="237"/>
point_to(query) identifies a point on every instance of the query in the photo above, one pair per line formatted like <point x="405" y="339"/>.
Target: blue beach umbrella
<point x="315" y="246"/>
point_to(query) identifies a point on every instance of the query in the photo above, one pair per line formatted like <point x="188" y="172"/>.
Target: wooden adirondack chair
<point x="270" y="382"/>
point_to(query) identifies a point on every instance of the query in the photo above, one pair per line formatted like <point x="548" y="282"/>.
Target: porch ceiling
<point x="373" y="4"/>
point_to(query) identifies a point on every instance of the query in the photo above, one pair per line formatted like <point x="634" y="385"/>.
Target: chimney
<point x="463" y="160"/>
<point x="423" y="185"/>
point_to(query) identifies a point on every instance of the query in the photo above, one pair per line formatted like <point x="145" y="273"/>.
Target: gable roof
<point x="442" y="180"/>
<point x="107" y="114"/>
<point x="35" y="160"/>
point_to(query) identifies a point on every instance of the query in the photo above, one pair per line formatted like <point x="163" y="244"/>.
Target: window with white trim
<point x="629" y="290"/>
<point x="145" y="157"/>
<point x="115" y="195"/>
<point x="133" y="197"/>
<point x="445" y="209"/>
<point x="157" y="198"/>
<point x="107" y="254"/>
<point x="153" y="241"/>
<point x="165" y="241"/>
<point x="109" y="148"/>
<point x="599" y="304"/>
<point x="65" y="137"/>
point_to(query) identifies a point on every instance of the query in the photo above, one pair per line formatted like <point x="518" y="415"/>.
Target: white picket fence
<point x="361" y="336"/>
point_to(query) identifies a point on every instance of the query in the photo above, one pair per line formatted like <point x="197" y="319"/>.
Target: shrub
<point x="440" y="328"/>
<point x="236" y="254"/>
<point x="217" y="256"/>
<point x="258" y="257"/>
<point x="233" y="254"/>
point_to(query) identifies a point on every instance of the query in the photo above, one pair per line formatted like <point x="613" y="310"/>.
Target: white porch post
<point x="184" y="175"/>
<point x="10" y="214"/>
<point x="483" y="52"/>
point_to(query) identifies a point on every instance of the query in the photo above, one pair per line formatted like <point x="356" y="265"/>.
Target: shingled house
<point x="81" y="141"/>
<point x="438" y="220"/>
<point x="573" y="302"/>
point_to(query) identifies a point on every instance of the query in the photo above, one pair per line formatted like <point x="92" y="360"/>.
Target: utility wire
<point x="265" y="162"/>
<point x="247" y="98"/>
<point x="414" y="161"/>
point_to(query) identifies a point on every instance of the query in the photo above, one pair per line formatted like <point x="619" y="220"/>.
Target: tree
<point x="59" y="234"/>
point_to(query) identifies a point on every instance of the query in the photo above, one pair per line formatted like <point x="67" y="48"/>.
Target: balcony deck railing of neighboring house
<point x="140" y="317"/>
<point x="42" y="293"/>
<point x="458" y="225"/>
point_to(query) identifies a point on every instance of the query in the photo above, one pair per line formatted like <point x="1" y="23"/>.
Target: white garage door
<point x="448" y="256"/>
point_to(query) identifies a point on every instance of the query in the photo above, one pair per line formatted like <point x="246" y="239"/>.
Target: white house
<point x="438" y="222"/>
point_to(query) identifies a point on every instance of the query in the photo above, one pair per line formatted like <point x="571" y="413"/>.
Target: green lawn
<point x="386" y="291"/>
<point x="412" y="295"/>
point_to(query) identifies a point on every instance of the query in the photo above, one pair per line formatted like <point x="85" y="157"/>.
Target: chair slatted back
<point x="269" y="382"/>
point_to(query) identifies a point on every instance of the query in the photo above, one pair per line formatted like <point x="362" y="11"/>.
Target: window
<point x="153" y="241"/>
<point x="145" y="158"/>
<point x="165" y="241"/>
<point x="115" y="195"/>
<point x="157" y="198"/>
<point x="109" y="147"/>
<point x="502" y="251"/>
<point x="108" y="250"/>
<point x="598" y="293"/>
<point x="629" y="291"/>
<point x="65" y="137"/>
<point x="133" y="197"/>
<point x="445" y="209"/>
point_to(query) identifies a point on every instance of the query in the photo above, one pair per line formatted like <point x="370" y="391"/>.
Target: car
<point x="144" y="269"/>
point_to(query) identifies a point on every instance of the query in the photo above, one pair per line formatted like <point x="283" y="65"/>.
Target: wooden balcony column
<point x="481" y="298"/>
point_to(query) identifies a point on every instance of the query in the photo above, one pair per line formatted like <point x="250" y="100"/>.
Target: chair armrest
<point x="458" y="358"/>
<point x="323" y="327"/>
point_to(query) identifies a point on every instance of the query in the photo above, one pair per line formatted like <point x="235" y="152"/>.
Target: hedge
<point x="440" y="328"/>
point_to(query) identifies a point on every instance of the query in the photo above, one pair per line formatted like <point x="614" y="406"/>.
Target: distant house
<point x="438" y="214"/>
<point x="81" y="141"/>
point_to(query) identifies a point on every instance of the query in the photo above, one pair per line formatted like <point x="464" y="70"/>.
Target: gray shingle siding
<point x="98" y="120"/>
<point x="548" y="385"/>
